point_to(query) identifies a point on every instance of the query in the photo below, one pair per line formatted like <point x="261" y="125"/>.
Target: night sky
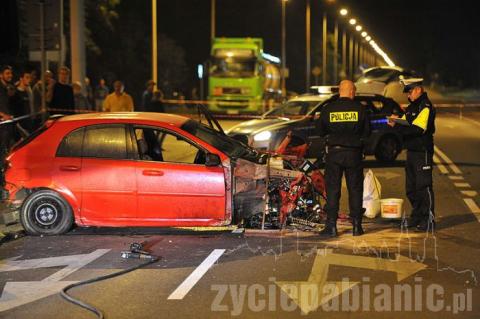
<point x="425" y="35"/>
<point x="428" y="36"/>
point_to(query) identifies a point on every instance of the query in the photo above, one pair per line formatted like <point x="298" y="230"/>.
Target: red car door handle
<point x="69" y="168"/>
<point x="152" y="172"/>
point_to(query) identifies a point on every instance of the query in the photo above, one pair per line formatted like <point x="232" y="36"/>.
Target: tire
<point x="46" y="212"/>
<point x="387" y="149"/>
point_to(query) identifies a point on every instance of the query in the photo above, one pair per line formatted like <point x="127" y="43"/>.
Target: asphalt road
<point x="387" y="273"/>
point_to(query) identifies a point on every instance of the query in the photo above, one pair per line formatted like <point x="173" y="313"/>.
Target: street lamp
<point x="344" y="12"/>
<point x="352" y="21"/>
<point x="307" y="48"/>
<point x="364" y="34"/>
<point x="154" y="42"/>
<point x="324" y="49"/>
<point x="284" y="54"/>
<point x="212" y="19"/>
<point x="358" y="28"/>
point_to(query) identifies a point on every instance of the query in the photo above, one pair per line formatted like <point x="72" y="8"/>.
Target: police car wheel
<point x="387" y="149"/>
<point x="46" y="212"/>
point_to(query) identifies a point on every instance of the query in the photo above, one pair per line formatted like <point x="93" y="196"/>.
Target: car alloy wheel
<point x="46" y="212"/>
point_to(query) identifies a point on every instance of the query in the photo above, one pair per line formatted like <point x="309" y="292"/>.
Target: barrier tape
<point x="20" y="118"/>
<point x="192" y="103"/>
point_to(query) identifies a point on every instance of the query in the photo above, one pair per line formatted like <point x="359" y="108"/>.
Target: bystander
<point x="118" y="101"/>
<point x="60" y="94"/>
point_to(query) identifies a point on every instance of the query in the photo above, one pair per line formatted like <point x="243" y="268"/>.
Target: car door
<point x="174" y="186"/>
<point x="67" y="166"/>
<point x="108" y="176"/>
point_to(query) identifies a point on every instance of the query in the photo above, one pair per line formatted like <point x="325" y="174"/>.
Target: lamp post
<point x="154" y="42"/>
<point x="343" y="13"/>
<point x="335" y="53"/>
<point x="308" y="46"/>
<point x="284" y="53"/>
<point x="350" y="50"/>
<point x="324" y="50"/>
<point x="212" y="20"/>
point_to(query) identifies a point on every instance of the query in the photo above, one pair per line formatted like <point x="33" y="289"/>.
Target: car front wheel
<point x="46" y="212"/>
<point x="387" y="149"/>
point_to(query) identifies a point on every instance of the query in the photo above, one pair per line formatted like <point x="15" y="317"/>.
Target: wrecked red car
<point x="133" y="169"/>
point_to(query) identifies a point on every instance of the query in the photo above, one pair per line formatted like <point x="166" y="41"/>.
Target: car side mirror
<point x="212" y="160"/>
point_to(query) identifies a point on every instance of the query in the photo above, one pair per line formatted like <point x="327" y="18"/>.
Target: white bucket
<point x="391" y="207"/>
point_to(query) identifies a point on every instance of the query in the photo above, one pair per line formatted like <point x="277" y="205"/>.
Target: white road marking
<point x="470" y="193"/>
<point x="462" y="185"/>
<point x="473" y="207"/>
<point x="15" y="294"/>
<point x="447" y="160"/>
<point x="402" y="266"/>
<point x="456" y="177"/>
<point x="439" y="164"/>
<point x="196" y="275"/>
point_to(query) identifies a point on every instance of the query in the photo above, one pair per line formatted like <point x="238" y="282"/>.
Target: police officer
<point x="418" y="140"/>
<point x="344" y="122"/>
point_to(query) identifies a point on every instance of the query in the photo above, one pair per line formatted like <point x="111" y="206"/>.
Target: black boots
<point x="427" y="225"/>
<point x="330" y="229"/>
<point x="357" y="227"/>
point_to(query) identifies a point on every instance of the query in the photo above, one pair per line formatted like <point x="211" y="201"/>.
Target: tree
<point x="119" y="47"/>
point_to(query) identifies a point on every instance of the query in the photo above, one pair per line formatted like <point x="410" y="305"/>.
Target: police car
<point x="299" y="115"/>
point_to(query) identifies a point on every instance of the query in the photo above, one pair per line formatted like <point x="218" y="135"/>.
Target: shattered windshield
<point x="226" y="144"/>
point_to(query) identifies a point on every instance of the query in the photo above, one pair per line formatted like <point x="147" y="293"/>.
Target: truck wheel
<point x="46" y="212"/>
<point x="387" y="149"/>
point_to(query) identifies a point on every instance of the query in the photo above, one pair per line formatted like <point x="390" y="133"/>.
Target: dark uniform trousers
<point x="418" y="173"/>
<point x="338" y="161"/>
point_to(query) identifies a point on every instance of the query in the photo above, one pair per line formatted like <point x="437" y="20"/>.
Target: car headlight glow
<point x="262" y="136"/>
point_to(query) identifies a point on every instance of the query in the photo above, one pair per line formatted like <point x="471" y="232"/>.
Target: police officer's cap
<point x="411" y="83"/>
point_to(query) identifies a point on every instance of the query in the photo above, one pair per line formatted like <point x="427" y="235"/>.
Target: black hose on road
<point x="91" y="308"/>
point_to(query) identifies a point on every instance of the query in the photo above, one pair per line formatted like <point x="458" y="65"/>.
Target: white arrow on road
<point x="19" y="293"/>
<point x="311" y="294"/>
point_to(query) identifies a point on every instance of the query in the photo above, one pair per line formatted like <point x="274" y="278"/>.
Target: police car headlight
<point x="263" y="136"/>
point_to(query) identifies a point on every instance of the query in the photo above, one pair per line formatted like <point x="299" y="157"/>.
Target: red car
<point x="124" y="169"/>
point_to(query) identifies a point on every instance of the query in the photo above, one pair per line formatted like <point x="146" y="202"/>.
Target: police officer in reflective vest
<point x="418" y="140"/>
<point x="344" y="122"/>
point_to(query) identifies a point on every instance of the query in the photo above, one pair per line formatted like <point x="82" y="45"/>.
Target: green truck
<point x="242" y="78"/>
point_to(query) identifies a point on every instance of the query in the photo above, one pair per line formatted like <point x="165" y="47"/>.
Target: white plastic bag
<point x="372" y="193"/>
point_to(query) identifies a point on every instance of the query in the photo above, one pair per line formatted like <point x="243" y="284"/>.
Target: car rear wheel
<point x="46" y="212"/>
<point x="387" y="149"/>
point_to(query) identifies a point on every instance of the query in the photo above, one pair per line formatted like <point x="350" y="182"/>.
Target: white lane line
<point x="473" y="207"/>
<point x="439" y="164"/>
<point x="447" y="160"/>
<point x="471" y="120"/>
<point x="462" y="185"/>
<point x="196" y="275"/>
<point x="456" y="177"/>
<point x="470" y="193"/>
